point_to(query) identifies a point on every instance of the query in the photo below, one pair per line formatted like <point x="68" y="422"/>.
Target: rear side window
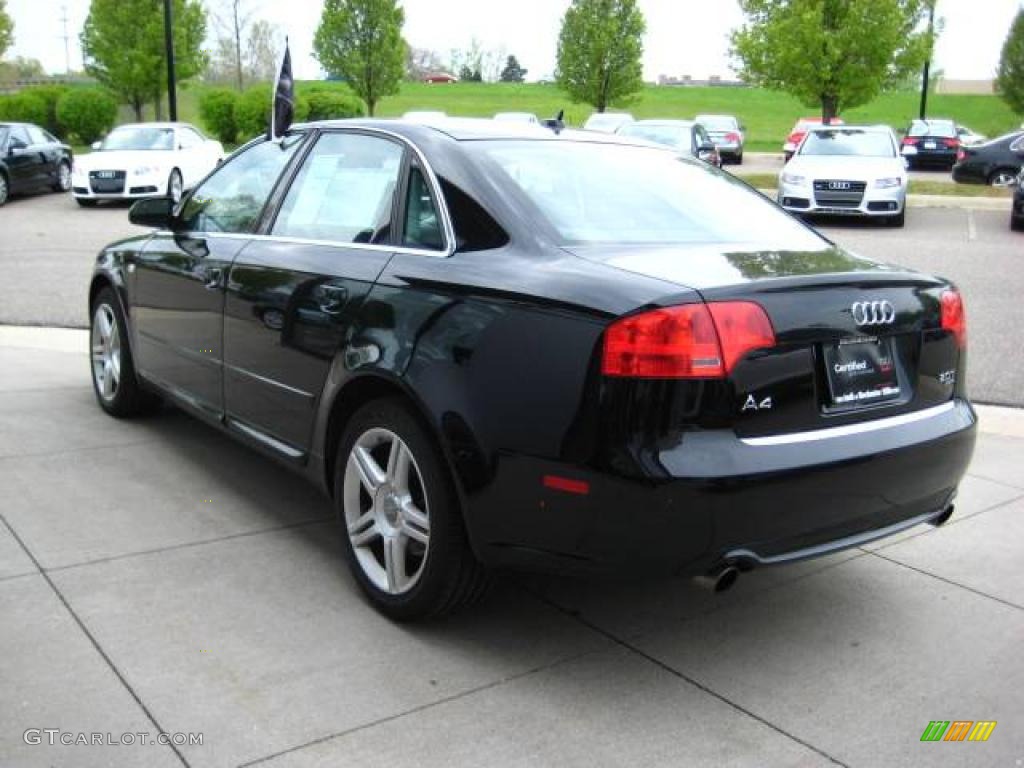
<point x="345" y="191"/>
<point x="36" y="136"/>
<point x="232" y="199"/>
<point x="475" y="229"/>
<point x="422" y="224"/>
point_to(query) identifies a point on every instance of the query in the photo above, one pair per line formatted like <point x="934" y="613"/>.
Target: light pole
<point x="172" y="96"/>
<point x="928" y="62"/>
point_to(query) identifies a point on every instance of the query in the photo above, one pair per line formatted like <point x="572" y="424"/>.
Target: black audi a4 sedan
<point x="497" y="346"/>
<point x="32" y="160"/>
<point x="995" y="162"/>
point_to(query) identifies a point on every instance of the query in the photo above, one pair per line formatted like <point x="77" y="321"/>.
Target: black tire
<point x="1017" y="223"/>
<point x="739" y="159"/>
<point x="450" y="577"/>
<point x="128" y="398"/>
<point x="60" y="185"/>
<point x="899" y="220"/>
<point x="1007" y="173"/>
<point x="5" y="189"/>
<point x="85" y="202"/>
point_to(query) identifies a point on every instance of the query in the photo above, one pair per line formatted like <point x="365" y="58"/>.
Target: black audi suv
<point x="498" y="346"/>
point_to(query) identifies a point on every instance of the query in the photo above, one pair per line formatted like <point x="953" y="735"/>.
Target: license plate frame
<point x="862" y="373"/>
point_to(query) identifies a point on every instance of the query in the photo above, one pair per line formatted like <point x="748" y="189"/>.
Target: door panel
<point x="288" y="311"/>
<point x="178" y="301"/>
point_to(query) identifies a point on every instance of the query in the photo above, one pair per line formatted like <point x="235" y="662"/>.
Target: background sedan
<point x="687" y="136"/>
<point x="31" y="160"/>
<point x="849" y="171"/>
<point x="727" y="134"/>
<point x="145" y="160"/>
<point x="995" y="162"/>
<point x="933" y="143"/>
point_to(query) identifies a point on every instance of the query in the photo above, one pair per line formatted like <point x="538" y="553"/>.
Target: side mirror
<point x="96" y="144"/>
<point x="154" y="212"/>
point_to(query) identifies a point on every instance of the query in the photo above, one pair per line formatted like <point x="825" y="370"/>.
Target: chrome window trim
<point x="447" y="227"/>
<point x="850" y="429"/>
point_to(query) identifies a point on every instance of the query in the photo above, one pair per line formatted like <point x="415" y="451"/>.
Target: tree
<point x="6" y="29"/>
<point x="123" y="46"/>
<point x="835" y="54"/>
<point x="513" y="73"/>
<point x="361" y="41"/>
<point x="1010" y="80"/>
<point x="233" y="21"/>
<point x="262" y="50"/>
<point x="599" y="51"/>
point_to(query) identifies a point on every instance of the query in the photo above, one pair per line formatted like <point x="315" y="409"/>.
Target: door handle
<point x="333" y="298"/>
<point x="212" y="277"/>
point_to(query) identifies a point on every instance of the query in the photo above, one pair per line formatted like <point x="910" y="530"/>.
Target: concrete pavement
<point x="155" y="576"/>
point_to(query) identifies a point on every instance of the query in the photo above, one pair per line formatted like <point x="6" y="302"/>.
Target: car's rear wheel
<point x="4" y="189"/>
<point x="405" y="539"/>
<point x="175" y="187"/>
<point x="63" y="182"/>
<point x="110" y="361"/>
<point x="1002" y="177"/>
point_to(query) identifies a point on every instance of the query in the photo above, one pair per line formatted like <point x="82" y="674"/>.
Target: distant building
<point x="982" y="87"/>
<point x="440" y="77"/>
<point x="689" y="80"/>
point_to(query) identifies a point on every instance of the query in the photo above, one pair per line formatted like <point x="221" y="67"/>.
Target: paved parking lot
<point x="48" y="245"/>
<point x="155" y="576"/>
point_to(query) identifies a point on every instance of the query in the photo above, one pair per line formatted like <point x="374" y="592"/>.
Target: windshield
<point x="139" y="138"/>
<point x="608" y="193"/>
<point x="942" y="129"/>
<point x="848" y="141"/>
<point x="669" y="135"/>
<point x="606" y="121"/>
<point x="717" y="122"/>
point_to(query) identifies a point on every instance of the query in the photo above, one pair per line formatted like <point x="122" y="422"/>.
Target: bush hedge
<point x="252" y="111"/>
<point x="51" y="95"/>
<point x="23" y="107"/>
<point x="217" y="111"/>
<point x="332" y="104"/>
<point x="87" y="113"/>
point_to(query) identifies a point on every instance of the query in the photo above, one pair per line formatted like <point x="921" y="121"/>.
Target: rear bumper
<point x="750" y="502"/>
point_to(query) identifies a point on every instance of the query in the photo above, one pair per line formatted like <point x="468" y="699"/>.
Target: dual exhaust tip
<point x="722" y="577"/>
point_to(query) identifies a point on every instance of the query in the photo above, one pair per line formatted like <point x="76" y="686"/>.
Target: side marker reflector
<point x="566" y="484"/>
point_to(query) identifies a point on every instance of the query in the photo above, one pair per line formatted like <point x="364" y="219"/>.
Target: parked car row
<point x="133" y="161"/>
<point x="724" y="133"/>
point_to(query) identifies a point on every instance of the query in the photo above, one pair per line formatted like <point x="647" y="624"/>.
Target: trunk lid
<point x="855" y="340"/>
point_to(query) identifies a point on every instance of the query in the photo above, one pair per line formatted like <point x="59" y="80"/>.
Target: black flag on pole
<point x="284" y="98"/>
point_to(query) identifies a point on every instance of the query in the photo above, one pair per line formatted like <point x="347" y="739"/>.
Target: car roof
<point x="877" y="127"/>
<point x="154" y="125"/>
<point x="470" y="129"/>
<point x="669" y="123"/>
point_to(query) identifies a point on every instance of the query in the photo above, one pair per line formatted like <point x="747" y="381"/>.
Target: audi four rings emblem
<point x="873" y="312"/>
<point x="839" y="185"/>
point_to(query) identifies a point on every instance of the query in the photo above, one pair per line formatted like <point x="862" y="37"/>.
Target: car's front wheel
<point x="110" y="360"/>
<point x="899" y="220"/>
<point x="4" y="189"/>
<point x="405" y="538"/>
<point x="175" y="186"/>
<point x="85" y="202"/>
<point x="63" y="182"/>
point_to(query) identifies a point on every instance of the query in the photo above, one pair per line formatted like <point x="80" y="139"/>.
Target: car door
<point x="293" y="294"/>
<point x="177" y="281"/>
<point x="22" y="162"/>
<point x="46" y="157"/>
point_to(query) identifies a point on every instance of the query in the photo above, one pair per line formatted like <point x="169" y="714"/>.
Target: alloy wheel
<point x="1003" y="179"/>
<point x="386" y="511"/>
<point x="64" y="177"/>
<point x="106" y="352"/>
<point x="3" y="189"/>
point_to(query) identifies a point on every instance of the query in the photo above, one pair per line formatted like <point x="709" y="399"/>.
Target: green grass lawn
<point x="768" y="115"/>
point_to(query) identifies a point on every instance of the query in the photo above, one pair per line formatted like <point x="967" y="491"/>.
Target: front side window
<point x="344" y="192"/>
<point x="606" y="193"/>
<point x="232" y="199"/>
<point x="422" y="224"/>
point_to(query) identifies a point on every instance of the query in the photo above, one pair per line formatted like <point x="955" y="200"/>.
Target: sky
<point x="684" y="37"/>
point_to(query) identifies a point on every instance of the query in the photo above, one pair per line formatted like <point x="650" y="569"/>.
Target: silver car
<point x="727" y="133"/>
<point x="847" y="171"/>
<point x="607" y="122"/>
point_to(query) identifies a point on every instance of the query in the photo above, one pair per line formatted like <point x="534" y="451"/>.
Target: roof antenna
<point x="556" y="123"/>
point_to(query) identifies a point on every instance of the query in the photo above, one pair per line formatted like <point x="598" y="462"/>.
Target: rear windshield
<point x="944" y="130"/>
<point x="848" y="142"/>
<point x="670" y="135"/>
<point x="717" y="122"/>
<point x="608" y="193"/>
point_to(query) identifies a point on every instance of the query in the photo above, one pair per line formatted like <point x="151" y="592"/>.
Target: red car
<point x="800" y="130"/>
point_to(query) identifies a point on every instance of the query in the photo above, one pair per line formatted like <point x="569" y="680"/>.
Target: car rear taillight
<point x="908" y="141"/>
<point x="951" y="143"/>
<point x="953" y="318"/>
<point x="690" y="341"/>
<point x="732" y="138"/>
<point x="794" y="138"/>
<point x="960" y="155"/>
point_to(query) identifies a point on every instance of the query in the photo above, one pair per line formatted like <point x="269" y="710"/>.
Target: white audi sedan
<point x="847" y="170"/>
<point x="144" y="160"/>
